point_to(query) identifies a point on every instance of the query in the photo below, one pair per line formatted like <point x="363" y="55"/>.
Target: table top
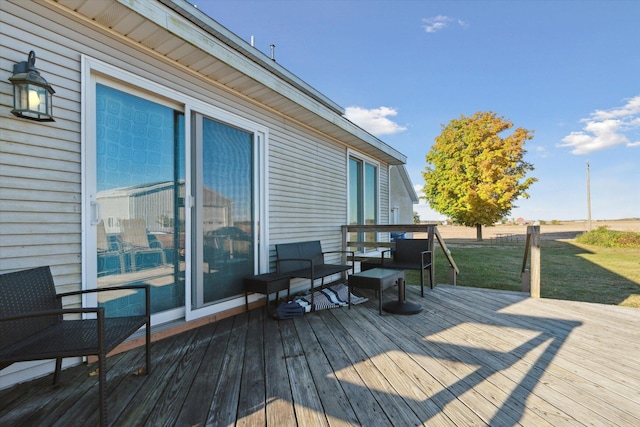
<point x="380" y="273"/>
<point x="265" y="277"/>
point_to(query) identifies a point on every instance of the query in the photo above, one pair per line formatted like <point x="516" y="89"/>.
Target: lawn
<point x="569" y="271"/>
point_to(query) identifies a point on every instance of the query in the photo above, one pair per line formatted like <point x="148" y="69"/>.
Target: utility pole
<point x="588" y="197"/>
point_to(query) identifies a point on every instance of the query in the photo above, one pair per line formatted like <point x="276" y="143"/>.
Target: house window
<point x="363" y="195"/>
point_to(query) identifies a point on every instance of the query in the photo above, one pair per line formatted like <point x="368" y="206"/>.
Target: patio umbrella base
<point x="400" y="307"/>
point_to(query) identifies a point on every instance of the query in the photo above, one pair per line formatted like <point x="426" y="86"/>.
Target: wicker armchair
<point x="409" y="254"/>
<point x="306" y="260"/>
<point x="33" y="327"/>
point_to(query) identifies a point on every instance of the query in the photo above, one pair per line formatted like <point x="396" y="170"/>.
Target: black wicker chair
<point x="409" y="254"/>
<point x="306" y="260"/>
<point x="32" y="326"/>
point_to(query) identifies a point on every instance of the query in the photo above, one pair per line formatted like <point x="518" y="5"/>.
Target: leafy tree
<point x="416" y="217"/>
<point x="473" y="173"/>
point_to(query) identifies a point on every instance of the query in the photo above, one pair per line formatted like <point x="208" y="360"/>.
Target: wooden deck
<point x="471" y="357"/>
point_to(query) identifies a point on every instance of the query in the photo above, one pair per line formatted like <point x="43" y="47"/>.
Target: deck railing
<point x="531" y="277"/>
<point x="369" y="237"/>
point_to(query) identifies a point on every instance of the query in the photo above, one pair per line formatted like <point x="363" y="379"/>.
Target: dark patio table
<point x="380" y="279"/>
<point x="266" y="283"/>
<point x="401" y="306"/>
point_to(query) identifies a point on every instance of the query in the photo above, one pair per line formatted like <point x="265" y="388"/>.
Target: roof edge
<point x="211" y="26"/>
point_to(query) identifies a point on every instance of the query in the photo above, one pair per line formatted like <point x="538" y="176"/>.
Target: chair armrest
<point x="147" y="294"/>
<point x="382" y="258"/>
<point x="45" y="313"/>
<point x="112" y="288"/>
<point x="340" y="252"/>
<point x="427" y="255"/>
<point x="352" y="253"/>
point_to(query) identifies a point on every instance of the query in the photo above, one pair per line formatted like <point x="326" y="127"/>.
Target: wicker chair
<point x="135" y="240"/>
<point x="32" y="326"/>
<point x="409" y="254"/>
<point x="306" y="260"/>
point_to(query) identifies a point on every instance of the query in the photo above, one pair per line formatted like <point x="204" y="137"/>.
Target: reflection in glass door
<point x="139" y="200"/>
<point x="225" y="211"/>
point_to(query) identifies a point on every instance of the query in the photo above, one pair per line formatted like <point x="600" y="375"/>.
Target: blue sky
<point x="569" y="70"/>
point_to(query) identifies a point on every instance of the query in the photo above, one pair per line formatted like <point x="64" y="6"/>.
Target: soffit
<point x="183" y="34"/>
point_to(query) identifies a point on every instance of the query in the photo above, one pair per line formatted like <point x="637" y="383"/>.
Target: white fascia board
<point x="188" y="22"/>
<point x="222" y="44"/>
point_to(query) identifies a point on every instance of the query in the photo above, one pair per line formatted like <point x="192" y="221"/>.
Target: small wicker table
<point x="266" y="284"/>
<point x="377" y="279"/>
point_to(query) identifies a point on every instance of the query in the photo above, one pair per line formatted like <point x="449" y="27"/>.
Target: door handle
<point x="96" y="210"/>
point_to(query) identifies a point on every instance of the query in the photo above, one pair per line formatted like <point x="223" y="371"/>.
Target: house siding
<point x="41" y="170"/>
<point x="399" y="197"/>
<point x="307" y="170"/>
<point x="40" y="200"/>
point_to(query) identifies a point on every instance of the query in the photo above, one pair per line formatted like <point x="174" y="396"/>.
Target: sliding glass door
<point x="138" y="210"/>
<point x="173" y="197"/>
<point x="226" y="239"/>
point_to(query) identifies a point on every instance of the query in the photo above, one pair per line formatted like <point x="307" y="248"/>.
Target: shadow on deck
<point x="471" y="357"/>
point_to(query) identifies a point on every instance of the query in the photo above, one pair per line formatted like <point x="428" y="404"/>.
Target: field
<point x="569" y="271"/>
<point x="562" y="230"/>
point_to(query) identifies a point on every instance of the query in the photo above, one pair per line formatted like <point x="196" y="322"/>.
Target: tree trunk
<point x="479" y="232"/>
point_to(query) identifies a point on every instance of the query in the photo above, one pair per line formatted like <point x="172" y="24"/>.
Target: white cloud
<point x="440" y="22"/>
<point x="376" y="121"/>
<point x="542" y="151"/>
<point x="631" y="109"/>
<point x="606" y="128"/>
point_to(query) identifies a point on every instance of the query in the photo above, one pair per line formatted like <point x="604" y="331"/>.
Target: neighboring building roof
<point x="180" y="32"/>
<point x="408" y="184"/>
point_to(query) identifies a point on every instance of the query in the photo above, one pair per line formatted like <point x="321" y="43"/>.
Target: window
<point x="363" y="195"/>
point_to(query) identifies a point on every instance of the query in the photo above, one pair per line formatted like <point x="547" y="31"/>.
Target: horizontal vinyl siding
<point x="40" y="163"/>
<point x="307" y="185"/>
<point x="40" y="200"/>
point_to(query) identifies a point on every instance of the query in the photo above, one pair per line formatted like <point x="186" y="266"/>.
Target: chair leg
<point x="148" y="349"/>
<point x="147" y="295"/>
<point x="102" y="386"/>
<point x="422" y="282"/>
<point x="56" y="375"/>
<point x="312" y="292"/>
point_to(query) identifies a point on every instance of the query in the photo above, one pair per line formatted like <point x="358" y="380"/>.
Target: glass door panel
<point x="226" y="211"/>
<point x="140" y="200"/>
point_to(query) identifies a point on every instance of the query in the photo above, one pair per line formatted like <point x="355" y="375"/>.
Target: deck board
<point x="470" y="357"/>
<point x="197" y="401"/>
<point x="278" y="400"/>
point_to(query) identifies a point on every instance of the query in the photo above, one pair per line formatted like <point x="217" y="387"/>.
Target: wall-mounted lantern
<point x="32" y="95"/>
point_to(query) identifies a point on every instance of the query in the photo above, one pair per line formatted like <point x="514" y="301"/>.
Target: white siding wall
<point x="400" y="197"/>
<point x="41" y="187"/>
<point x="40" y="162"/>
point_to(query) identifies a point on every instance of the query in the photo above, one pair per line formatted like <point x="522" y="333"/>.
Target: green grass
<point x="569" y="270"/>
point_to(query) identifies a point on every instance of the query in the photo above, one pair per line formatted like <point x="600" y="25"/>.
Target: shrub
<point x="604" y="237"/>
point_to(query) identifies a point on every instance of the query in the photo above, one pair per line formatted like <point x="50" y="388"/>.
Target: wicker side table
<point x="266" y="284"/>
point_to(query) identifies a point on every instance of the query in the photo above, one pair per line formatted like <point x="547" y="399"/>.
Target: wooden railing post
<point x="345" y="236"/>
<point x="534" y="230"/>
<point x="432" y="244"/>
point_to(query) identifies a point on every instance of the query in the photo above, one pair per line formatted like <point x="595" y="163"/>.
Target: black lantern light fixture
<point x="32" y="95"/>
